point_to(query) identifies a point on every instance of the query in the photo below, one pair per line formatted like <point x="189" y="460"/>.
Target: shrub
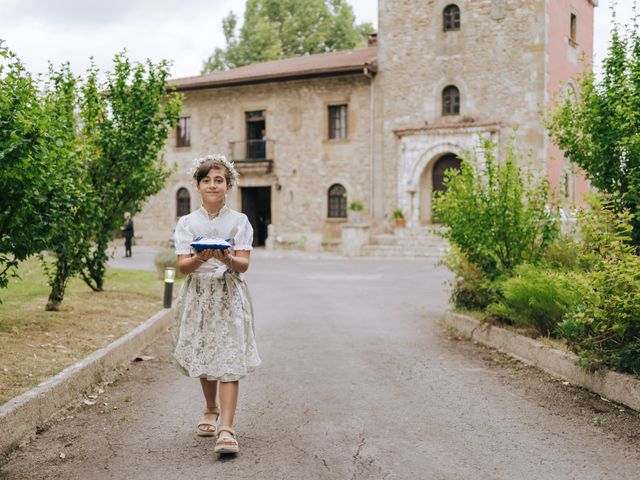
<point x="356" y="206"/>
<point x="539" y="298"/>
<point x="606" y="329"/>
<point x="164" y="259"/>
<point x="562" y="254"/>
<point x="471" y="289"/>
<point x="496" y="212"/>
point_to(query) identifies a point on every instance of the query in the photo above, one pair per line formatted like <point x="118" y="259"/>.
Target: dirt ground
<point x="568" y="401"/>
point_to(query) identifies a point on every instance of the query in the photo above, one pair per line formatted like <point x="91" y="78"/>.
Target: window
<point x="256" y="135"/>
<point x="573" y="26"/>
<point x="451" y="18"/>
<point x="451" y="100"/>
<point x="183" y="132"/>
<point x="183" y="202"/>
<point x="337" y="201"/>
<point x="337" y="122"/>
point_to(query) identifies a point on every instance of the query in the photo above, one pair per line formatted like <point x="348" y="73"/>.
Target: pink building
<point x="569" y="53"/>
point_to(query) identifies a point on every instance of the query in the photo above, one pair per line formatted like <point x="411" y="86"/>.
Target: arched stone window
<point x="337" y="201"/>
<point x="183" y="202"/>
<point x="451" y="100"/>
<point x="451" y="17"/>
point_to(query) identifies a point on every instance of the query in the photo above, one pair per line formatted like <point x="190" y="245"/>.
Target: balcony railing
<point x="252" y="152"/>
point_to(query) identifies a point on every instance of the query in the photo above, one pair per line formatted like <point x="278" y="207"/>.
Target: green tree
<point x="125" y="124"/>
<point x="30" y="164"/>
<point x="69" y="237"/>
<point x="275" y="29"/>
<point x="600" y="131"/>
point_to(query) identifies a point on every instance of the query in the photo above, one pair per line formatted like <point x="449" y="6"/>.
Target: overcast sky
<point x="185" y="32"/>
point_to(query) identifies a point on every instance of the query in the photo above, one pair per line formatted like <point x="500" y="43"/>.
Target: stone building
<point x="379" y="125"/>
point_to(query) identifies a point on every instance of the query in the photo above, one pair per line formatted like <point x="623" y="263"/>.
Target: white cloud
<point x="185" y="32"/>
<point x="165" y="30"/>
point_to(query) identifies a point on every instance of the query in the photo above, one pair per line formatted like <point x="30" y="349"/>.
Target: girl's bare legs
<point x="228" y="403"/>
<point x="210" y="390"/>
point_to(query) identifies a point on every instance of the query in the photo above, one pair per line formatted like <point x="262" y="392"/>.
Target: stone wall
<point x="306" y="162"/>
<point x="496" y="60"/>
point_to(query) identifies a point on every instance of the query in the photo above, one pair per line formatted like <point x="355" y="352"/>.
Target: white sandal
<point x="202" y="432"/>
<point x="226" y="444"/>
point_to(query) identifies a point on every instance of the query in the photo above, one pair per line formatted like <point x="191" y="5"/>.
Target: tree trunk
<point x="96" y="266"/>
<point x="58" y="285"/>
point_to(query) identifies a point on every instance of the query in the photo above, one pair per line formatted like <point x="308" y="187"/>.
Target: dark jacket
<point x="127" y="230"/>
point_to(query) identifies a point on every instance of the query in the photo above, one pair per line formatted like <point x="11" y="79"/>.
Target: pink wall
<point x="564" y="62"/>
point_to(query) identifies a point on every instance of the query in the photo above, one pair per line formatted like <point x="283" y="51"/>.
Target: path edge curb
<point x="20" y="416"/>
<point x="618" y="387"/>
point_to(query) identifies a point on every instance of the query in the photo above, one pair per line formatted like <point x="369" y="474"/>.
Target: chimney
<point x="372" y="40"/>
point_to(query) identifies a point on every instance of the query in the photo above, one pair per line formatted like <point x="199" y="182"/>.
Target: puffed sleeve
<point x="244" y="236"/>
<point x="182" y="237"/>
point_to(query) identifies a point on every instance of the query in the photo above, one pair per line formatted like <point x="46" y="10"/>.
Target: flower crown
<point x="216" y="158"/>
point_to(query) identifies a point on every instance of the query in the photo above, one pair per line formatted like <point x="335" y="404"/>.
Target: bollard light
<point x="169" y="277"/>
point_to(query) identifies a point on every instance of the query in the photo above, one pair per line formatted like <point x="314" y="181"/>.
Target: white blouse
<point x="230" y="225"/>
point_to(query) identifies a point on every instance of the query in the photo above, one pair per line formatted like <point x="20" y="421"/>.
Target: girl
<point x="213" y="336"/>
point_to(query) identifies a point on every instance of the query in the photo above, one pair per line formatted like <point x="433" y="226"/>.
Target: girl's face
<point x="213" y="186"/>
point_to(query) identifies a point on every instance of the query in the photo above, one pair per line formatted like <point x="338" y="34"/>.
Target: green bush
<point x="539" y="298"/>
<point x="356" y="206"/>
<point x="472" y="290"/>
<point x="496" y="212"/>
<point x="605" y="330"/>
<point x="562" y="254"/>
<point x="164" y="259"/>
<point x="397" y="214"/>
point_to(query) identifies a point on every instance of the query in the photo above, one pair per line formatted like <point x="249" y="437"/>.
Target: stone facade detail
<point x="305" y="162"/>
<point x="418" y="151"/>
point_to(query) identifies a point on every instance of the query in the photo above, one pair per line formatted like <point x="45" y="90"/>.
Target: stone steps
<point x="396" y="251"/>
<point x="407" y="243"/>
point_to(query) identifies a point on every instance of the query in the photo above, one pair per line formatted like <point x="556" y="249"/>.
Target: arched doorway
<point x="444" y="163"/>
<point x="431" y="181"/>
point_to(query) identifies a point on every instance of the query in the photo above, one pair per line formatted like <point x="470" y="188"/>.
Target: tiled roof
<point x="323" y="64"/>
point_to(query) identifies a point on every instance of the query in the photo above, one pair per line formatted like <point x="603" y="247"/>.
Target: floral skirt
<point x="213" y="334"/>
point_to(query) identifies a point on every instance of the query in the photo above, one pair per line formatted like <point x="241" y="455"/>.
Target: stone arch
<point x="420" y="184"/>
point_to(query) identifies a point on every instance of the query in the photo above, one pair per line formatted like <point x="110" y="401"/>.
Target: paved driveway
<point x="359" y="381"/>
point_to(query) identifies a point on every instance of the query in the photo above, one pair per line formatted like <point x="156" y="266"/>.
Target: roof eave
<point x="279" y="77"/>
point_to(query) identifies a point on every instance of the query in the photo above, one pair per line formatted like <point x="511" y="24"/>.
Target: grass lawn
<point x="36" y="344"/>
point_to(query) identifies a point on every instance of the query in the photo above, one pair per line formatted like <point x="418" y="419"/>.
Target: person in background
<point x="127" y="233"/>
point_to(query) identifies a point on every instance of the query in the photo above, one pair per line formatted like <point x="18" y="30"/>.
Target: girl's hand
<point x="222" y="255"/>
<point x="205" y="255"/>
